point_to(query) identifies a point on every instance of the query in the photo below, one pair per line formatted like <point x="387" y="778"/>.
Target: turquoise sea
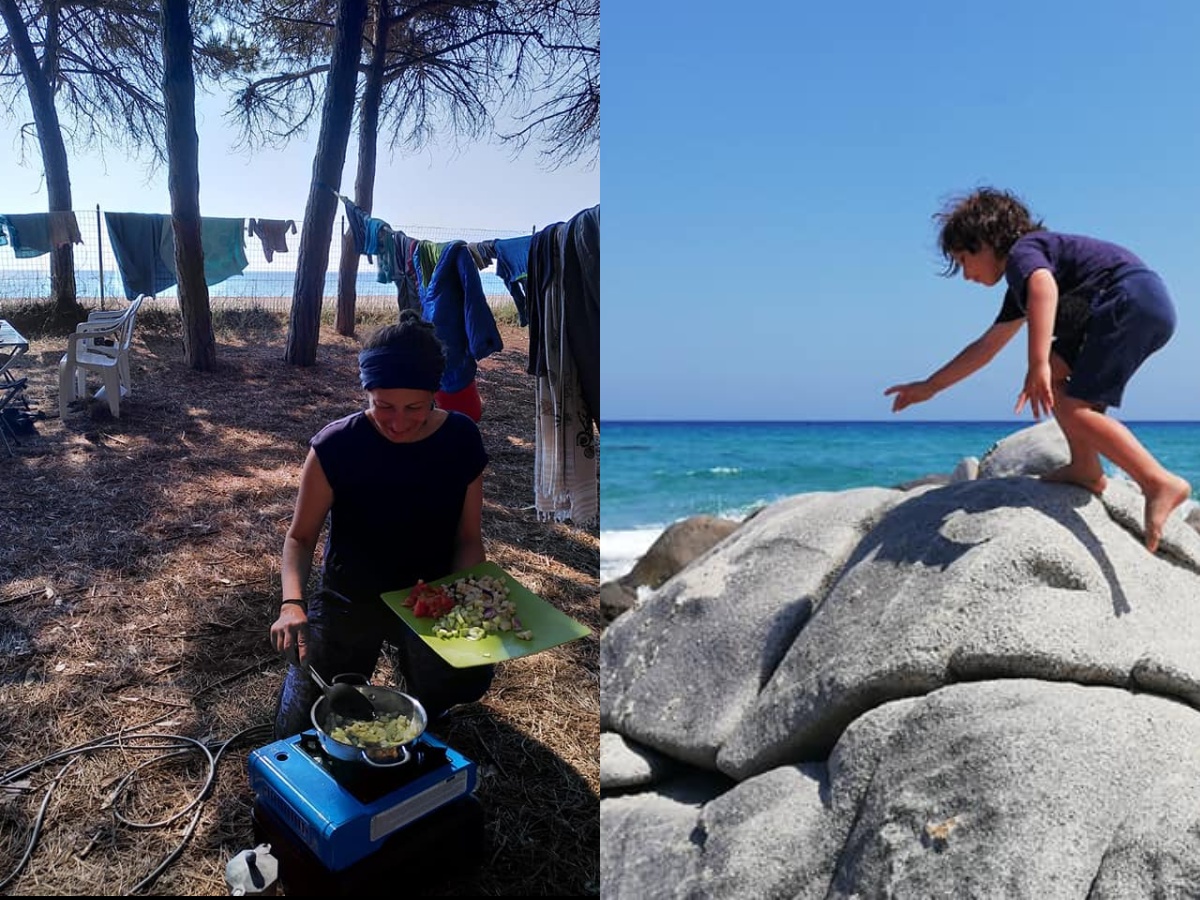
<point x="252" y="283"/>
<point x="656" y="473"/>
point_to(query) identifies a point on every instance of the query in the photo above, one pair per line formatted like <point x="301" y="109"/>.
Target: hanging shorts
<point x="1128" y="322"/>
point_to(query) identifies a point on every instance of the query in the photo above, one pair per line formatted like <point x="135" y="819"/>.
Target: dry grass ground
<point x="139" y="575"/>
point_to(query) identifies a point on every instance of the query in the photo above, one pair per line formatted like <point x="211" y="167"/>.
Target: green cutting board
<point x="549" y="626"/>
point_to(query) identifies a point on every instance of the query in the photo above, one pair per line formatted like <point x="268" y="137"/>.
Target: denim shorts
<point x="1128" y="322"/>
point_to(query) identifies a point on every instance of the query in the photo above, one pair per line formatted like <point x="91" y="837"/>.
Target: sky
<point x="771" y="173"/>
<point x="475" y="186"/>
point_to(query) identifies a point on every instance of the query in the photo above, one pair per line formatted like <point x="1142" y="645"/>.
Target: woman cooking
<point x="402" y="485"/>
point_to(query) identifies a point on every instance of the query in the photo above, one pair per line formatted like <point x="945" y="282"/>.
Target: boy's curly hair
<point x="987" y="217"/>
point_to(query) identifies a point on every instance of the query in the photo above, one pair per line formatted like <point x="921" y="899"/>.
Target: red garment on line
<point x="466" y="401"/>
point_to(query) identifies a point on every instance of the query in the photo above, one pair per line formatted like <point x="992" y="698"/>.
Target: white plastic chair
<point x="86" y="353"/>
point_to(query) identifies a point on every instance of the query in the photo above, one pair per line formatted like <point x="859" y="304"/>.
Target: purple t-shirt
<point x="396" y="507"/>
<point x="1082" y="266"/>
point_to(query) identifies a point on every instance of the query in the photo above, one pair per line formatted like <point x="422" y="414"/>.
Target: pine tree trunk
<point x="364" y="180"/>
<point x="183" y="180"/>
<point x="347" y="291"/>
<point x="337" y="113"/>
<point x="54" y="153"/>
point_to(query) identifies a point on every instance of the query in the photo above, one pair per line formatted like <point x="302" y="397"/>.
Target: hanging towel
<point x="564" y="462"/>
<point x="224" y="248"/>
<point x="452" y="299"/>
<point x="273" y="233"/>
<point x="223" y="243"/>
<point x="144" y="244"/>
<point x="136" y="240"/>
<point x="34" y="234"/>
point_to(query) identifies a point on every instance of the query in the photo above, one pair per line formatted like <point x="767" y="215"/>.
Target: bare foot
<point x="1069" y="475"/>
<point x="1160" y="503"/>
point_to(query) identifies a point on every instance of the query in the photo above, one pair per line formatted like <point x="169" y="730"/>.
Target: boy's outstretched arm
<point x="970" y="359"/>
<point x="1042" y="293"/>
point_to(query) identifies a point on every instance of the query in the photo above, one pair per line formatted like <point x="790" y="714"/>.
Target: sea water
<point x="657" y="473"/>
<point x="18" y="283"/>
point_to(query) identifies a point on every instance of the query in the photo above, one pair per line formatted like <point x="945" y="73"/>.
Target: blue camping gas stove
<point x="338" y="827"/>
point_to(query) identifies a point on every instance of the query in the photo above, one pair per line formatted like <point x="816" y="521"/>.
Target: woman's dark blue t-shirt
<point x="396" y="507"/>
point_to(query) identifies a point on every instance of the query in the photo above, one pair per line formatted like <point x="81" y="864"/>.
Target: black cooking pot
<point x="386" y="701"/>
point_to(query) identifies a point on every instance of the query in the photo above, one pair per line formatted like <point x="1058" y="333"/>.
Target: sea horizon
<point x="658" y="472"/>
<point x="875" y="421"/>
<point x="253" y="282"/>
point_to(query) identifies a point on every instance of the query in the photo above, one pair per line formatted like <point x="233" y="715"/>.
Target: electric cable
<point x="125" y="739"/>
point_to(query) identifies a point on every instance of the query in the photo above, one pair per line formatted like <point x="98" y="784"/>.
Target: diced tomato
<point x="429" y="602"/>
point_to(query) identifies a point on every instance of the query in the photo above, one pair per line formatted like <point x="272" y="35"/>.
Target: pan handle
<point x="378" y="765"/>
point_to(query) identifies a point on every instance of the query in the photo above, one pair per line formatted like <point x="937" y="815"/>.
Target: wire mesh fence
<point x="265" y="284"/>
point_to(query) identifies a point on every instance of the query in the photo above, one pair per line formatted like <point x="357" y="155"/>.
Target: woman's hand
<point x="910" y="393"/>
<point x="1038" y="391"/>
<point x="289" y="634"/>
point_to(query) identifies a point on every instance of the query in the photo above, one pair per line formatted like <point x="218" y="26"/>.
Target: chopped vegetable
<point x="482" y="607"/>
<point x="429" y="602"/>
<point x="389" y="730"/>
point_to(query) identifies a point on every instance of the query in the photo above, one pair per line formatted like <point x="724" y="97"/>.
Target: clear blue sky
<point x="771" y="169"/>
<point x="479" y="186"/>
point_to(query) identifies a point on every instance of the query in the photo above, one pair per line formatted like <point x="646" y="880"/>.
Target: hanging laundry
<point x="376" y="228"/>
<point x="512" y="267"/>
<point x="428" y="254"/>
<point x="34" y="234"/>
<point x="273" y="234"/>
<point x="564" y="463"/>
<point x="482" y="253"/>
<point x="452" y="299"/>
<point x="357" y="220"/>
<point x="408" y="291"/>
<point x="224" y="245"/>
<point x="543" y="280"/>
<point x="581" y="302"/>
<point x="364" y="228"/>
<point x="144" y="244"/>
<point x="385" y="250"/>
<point x="467" y="401"/>
<point x="136" y="240"/>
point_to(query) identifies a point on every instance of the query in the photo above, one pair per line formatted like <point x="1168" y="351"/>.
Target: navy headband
<point x="391" y="367"/>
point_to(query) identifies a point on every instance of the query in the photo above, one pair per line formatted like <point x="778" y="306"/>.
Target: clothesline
<point x="31" y="235"/>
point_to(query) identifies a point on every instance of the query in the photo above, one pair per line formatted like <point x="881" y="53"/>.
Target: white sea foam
<point x="619" y="550"/>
